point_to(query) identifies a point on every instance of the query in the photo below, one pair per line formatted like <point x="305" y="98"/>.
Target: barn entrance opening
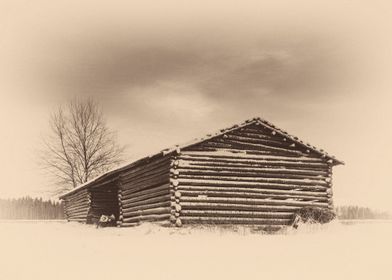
<point x="104" y="203"/>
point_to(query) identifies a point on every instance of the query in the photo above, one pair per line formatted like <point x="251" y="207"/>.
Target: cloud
<point x="248" y="71"/>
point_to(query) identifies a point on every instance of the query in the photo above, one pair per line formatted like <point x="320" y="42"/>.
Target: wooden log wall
<point x="144" y="193"/>
<point x="77" y="206"/>
<point x="248" y="176"/>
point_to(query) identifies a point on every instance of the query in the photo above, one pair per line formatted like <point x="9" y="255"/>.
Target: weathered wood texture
<point x="145" y="193"/>
<point x="77" y="205"/>
<point x="249" y="176"/>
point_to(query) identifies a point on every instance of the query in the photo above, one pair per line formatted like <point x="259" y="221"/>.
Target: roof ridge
<point x="178" y="147"/>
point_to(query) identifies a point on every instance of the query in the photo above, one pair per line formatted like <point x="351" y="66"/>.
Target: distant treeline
<point x="38" y="209"/>
<point x="357" y="212"/>
<point x="30" y="209"/>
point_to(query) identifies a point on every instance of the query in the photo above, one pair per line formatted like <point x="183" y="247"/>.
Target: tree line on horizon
<point x="351" y="212"/>
<point x="28" y="208"/>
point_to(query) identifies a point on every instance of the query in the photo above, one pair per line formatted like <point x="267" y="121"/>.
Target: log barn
<point x="252" y="173"/>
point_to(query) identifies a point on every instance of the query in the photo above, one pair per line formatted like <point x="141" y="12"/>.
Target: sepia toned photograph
<point x="195" y="139"/>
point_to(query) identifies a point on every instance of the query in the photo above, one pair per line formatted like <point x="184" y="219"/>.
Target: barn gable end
<point x="251" y="175"/>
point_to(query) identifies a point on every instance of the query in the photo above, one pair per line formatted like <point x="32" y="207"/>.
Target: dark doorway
<point x="104" y="201"/>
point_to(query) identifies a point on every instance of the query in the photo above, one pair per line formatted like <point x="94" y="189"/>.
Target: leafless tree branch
<point x="80" y="145"/>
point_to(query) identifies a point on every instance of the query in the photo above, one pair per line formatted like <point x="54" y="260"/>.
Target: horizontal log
<point x="79" y="198"/>
<point x="266" y="145"/>
<point x="145" y="169"/>
<point x="164" y="223"/>
<point x="269" y="141"/>
<point x="83" y="197"/>
<point x="235" y="207"/>
<point x="146" y="166"/>
<point x="151" y="182"/>
<point x="147" y="177"/>
<point x="250" y="195"/>
<point x="241" y="162"/>
<point x="158" y="210"/>
<point x="251" y="171"/>
<point x="134" y="198"/>
<point x="147" y="206"/>
<point x="151" y="217"/>
<point x="247" y="135"/>
<point x="232" y="220"/>
<point x="202" y="189"/>
<point x="147" y="201"/>
<point x="259" y="147"/>
<point x="252" y="201"/>
<point x="256" y="179"/>
<point x="145" y="191"/>
<point x="192" y="182"/>
<point x="154" y="189"/>
<point x="257" y="135"/>
<point x="267" y="167"/>
<point x="77" y="206"/>
<point x="75" y="194"/>
<point x="80" y="201"/>
<point x="246" y="154"/>
<point x="105" y="182"/>
<point x="261" y="139"/>
<point x="228" y="213"/>
<point x="249" y="150"/>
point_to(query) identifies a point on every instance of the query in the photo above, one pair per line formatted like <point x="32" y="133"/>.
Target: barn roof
<point x="168" y="151"/>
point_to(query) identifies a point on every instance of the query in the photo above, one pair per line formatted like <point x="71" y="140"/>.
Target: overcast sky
<point x="166" y="73"/>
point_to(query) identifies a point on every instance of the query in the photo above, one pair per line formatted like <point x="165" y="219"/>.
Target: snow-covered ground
<point x="58" y="250"/>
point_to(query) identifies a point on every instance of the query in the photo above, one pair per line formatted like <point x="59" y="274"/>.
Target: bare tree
<point x="80" y="146"/>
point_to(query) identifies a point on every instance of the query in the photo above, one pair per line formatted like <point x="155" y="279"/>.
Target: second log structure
<point x="250" y="174"/>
